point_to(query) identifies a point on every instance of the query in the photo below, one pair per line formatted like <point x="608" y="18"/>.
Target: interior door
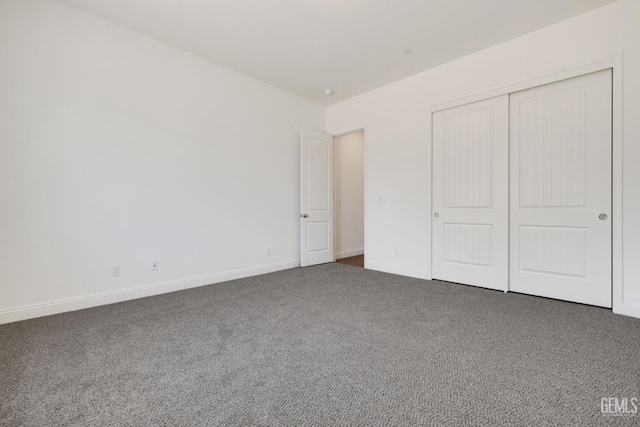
<point x="316" y="198"/>
<point x="561" y="190"/>
<point x="470" y="194"/>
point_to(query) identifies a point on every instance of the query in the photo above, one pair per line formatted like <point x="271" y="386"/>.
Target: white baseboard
<point x="402" y="271"/>
<point x="629" y="309"/>
<point x="31" y="311"/>
<point x="349" y="253"/>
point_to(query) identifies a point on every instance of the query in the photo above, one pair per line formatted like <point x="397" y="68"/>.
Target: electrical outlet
<point x="115" y="270"/>
<point x="154" y="265"/>
<point x="268" y="251"/>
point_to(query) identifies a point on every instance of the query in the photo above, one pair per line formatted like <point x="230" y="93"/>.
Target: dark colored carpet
<point x="326" y="345"/>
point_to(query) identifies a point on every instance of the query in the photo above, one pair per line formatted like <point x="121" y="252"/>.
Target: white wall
<point x="348" y="154"/>
<point x="397" y="120"/>
<point x="117" y="149"/>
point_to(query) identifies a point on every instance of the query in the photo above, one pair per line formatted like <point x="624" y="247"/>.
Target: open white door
<point x="561" y="190"/>
<point x="470" y="194"/>
<point x="316" y="197"/>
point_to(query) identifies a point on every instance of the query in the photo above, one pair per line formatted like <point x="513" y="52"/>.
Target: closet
<point x="522" y="191"/>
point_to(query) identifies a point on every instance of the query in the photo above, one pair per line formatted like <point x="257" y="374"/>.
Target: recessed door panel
<point x="468" y="244"/>
<point x="318" y="232"/>
<point x="556" y="251"/>
<point x="318" y="175"/>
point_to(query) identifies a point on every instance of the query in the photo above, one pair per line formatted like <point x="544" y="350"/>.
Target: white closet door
<point x="561" y="190"/>
<point x="470" y="194"/>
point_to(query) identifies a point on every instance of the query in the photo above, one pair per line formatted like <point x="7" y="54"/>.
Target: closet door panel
<point x="560" y="237"/>
<point x="470" y="191"/>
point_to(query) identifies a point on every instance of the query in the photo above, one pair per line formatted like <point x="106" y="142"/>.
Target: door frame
<point x="342" y="132"/>
<point x="611" y="61"/>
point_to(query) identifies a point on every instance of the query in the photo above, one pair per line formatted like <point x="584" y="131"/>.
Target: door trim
<point x="613" y="61"/>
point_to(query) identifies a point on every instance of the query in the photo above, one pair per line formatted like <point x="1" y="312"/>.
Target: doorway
<point x="349" y="198"/>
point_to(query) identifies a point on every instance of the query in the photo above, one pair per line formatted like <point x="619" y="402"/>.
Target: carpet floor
<point x="326" y="345"/>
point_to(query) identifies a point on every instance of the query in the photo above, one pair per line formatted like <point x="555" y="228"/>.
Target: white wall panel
<point x="118" y="149"/>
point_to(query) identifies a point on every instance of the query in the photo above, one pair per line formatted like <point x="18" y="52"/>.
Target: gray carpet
<point x="326" y="345"/>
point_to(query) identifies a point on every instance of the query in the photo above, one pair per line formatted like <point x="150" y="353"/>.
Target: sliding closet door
<point x="470" y="193"/>
<point x="561" y="190"/>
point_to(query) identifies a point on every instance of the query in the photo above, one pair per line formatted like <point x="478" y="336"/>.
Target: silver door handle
<point x="436" y="215"/>
<point x="304" y="215"/>
<point x="602" y="216"/>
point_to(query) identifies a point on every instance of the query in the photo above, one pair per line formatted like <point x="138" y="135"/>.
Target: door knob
<point x="602" y="216"/>
<point x="436" y="215"/>
<point x="304" y="216"/>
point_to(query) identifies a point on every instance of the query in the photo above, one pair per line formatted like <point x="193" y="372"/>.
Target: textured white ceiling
<point x="350" y="46"/>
